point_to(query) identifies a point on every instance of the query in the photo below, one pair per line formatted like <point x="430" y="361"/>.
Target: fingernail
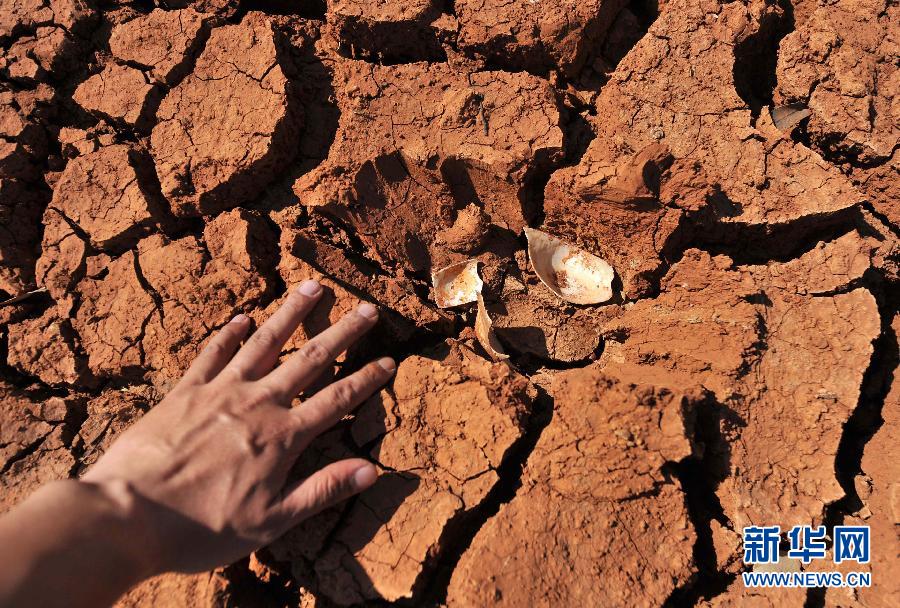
<point x="309" y="288"/>
<point x="240" y="319"/>
<point x="364" y="477"/>
<point x="387" y="364"/>
<point x="367" y="310"/>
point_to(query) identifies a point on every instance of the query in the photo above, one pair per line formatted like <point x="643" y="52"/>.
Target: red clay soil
<point x="163" y="168"/>
<point x="593" y="484"/>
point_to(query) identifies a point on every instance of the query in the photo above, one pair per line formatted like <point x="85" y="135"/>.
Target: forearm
<point x="72" y="544"/>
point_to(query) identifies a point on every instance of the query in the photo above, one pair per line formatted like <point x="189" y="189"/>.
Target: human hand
<point x="205" y="471"/>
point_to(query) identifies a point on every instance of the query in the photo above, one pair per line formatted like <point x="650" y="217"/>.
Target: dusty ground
<point x="163" y="168"/>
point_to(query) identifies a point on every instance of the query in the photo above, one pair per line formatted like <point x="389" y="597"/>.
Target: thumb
<point x="326" y="487"/>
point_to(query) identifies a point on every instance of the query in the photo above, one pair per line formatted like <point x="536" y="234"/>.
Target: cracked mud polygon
<point x="164" y="167"/>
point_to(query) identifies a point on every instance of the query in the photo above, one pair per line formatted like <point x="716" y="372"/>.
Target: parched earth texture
<point x="166" y="166"/>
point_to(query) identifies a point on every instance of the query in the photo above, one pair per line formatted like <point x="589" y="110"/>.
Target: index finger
<point x="259" y="354"/>
<point x="310" y="361"/>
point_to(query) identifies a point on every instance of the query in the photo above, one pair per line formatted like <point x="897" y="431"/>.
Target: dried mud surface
<point x="166" y="166"/>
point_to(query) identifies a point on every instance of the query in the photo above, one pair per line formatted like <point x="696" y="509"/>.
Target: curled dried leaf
<point x="456" y="284"/>
<point x="484" y="331"/>
<point x="789" y="116"/>
<point x="568" y="271"/>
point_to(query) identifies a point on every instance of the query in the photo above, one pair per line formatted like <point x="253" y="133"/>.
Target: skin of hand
<point x="202" y="479"/>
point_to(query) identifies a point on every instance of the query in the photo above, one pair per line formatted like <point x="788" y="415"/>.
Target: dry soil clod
<point x="227" y="129"/>
<point x="570" y="272"/>
<point x="593" y="484"/>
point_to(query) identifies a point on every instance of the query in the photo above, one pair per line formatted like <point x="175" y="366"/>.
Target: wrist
<point x="127" y="518"/>
<point x="78" y="535"/>
<point x="107" y="517"/>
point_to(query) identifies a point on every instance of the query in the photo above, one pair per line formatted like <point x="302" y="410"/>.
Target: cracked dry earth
<point x="163" y="168"/>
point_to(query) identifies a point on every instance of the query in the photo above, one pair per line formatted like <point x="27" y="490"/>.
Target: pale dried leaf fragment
<point x="457" y="284"/>
<point x="568" y="271"/>
<point x="23" y="296"/>
<point x="484" y="331"/>
<point x="788" y="116"/>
